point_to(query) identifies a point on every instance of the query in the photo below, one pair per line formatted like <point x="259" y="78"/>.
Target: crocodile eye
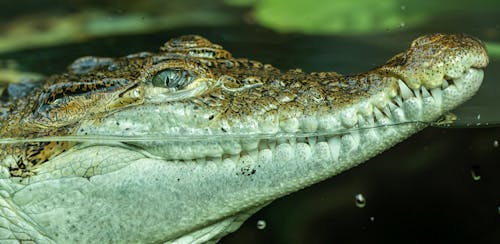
<point x="173" y="79"/>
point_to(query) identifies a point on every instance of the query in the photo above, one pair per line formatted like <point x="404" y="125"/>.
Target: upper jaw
<point x="412" y="87"/>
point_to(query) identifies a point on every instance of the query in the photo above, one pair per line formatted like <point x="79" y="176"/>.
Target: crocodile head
<point x="186" y="143"/>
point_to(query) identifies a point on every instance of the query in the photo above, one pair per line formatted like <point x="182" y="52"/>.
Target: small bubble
<point x="403" y="7"/>
<point x="360" y="201"/>
<point x="498" y="209"/>
<point x="402" y="25"/>
<point x="474" y="172"/>
<point x="495" y="143"/>
<point x="372" y="219"/>
<point x="261" y="224"/>
<point x="478" y="116"/>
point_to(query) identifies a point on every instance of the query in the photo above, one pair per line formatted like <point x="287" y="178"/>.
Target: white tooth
<point x="445" y="84"/>
<point x="387" y="110"/>
<point x="392" y="106"/>
<point x="425" y="92"/>
<point x="334" y="144"/>
<point x="398" y="101"/>
<point x="311" y="140"/>
<point x="417" y="93"/>
<point x="405" y="91"/>
<point x="378" y="115"/>
<point x="437" y="94"/>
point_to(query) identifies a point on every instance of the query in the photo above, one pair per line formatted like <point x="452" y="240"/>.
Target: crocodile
<point x="184" y="144"/>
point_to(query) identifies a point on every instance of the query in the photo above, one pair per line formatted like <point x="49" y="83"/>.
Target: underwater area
<point x="440" y="185"/>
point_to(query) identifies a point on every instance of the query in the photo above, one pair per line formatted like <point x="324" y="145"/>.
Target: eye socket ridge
<point x="172" y="78"/>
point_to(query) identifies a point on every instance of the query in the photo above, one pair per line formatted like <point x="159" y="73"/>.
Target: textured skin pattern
<point x="221" y="136"/>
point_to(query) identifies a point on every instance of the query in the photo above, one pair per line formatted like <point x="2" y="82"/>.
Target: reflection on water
<point x="475" y="173"/>
<point x="261" y="224"/>
<point x="360" y="201"/>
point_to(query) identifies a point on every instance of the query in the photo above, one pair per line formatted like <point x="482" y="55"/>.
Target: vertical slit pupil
<point x="172" y="78"/>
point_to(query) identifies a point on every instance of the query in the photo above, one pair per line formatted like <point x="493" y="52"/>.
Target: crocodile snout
<point x="434" y="58"/>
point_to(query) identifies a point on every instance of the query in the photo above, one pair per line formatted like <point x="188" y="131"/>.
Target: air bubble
<point x="261" y="224"/>
<point x="402" y="25"/>
<point x="474" y="172"/>
<point x="403" y="7"/>
<point x="495" y="143"/>
<point x="360" y="201"/>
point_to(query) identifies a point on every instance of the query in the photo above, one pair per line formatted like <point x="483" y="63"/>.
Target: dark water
<point x="441" y="185"/>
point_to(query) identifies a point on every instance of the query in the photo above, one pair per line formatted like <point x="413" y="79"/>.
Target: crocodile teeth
<point x="312" y="140"/>
<point x="387" y="110"/>
<point x="444" y="84"/>
<point x="405" y="91"/>
<point x="334" y="144"/>
<point x="425" y="92"/>
<point x="417" y="93"/>
<point x="398" y="101"/>
<point x="378" y="115"/>
<point x="392" y="106"/>
<point x="437" y="94"/>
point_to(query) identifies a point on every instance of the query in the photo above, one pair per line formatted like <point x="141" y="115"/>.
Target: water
<point x="427" y="177"/>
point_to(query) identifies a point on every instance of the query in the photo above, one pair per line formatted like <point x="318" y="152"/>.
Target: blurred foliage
<point x="493" y="50"/>
<point x="29" y="24"/>
<point x="325" y="16"/>
<point x="361" y="16"/>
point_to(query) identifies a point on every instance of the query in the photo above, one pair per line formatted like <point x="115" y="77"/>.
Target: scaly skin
<point x="186" y="143"/>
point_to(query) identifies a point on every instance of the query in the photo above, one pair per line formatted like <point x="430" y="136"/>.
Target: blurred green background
<point x="441" y="185"/>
